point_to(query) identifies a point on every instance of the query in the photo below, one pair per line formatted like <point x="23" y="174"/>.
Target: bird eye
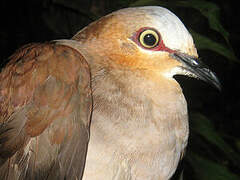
<point x="149" y="38"/>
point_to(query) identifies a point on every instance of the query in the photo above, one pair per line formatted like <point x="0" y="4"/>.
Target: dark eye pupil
<point x="149" y="39"/>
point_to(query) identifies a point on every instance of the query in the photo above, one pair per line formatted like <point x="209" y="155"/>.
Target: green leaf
<point x="203" y="42"/>
<point x="211" y="11"/>
<point x="205" y="128"/>
<point x="210" y="170"/>
<point x="181" y="176"/>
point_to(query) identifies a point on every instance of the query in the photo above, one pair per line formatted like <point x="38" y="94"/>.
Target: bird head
<point x="151" y="40"/>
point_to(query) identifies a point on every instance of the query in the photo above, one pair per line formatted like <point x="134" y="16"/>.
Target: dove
<point x="103" y="104"/>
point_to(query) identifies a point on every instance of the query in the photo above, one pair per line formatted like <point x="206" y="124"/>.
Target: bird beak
<point x="197" y="69"/>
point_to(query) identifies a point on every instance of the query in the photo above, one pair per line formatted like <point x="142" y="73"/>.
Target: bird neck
<point x="130" y="96"/>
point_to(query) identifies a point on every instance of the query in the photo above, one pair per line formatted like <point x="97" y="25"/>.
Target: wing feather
<point x="45" y="108"/>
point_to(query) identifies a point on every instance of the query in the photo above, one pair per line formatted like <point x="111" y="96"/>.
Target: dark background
<point x="214" y="145"/>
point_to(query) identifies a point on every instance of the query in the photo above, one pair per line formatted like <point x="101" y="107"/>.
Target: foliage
<point x="209" y="155"/>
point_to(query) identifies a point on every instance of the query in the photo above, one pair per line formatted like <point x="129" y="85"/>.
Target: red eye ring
<point x="158" y="46"/>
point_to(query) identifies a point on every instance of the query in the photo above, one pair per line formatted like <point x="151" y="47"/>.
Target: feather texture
<point x="45" y="113"/>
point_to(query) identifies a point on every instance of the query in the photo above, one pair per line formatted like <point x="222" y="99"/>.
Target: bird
<point x="103" y="104"/>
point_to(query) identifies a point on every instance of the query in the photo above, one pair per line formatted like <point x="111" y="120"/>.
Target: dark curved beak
<point x="197" y="69"/>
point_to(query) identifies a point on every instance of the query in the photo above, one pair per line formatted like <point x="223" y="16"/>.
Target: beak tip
<point x="218" y="85"/>
<point x="213" y="80"/>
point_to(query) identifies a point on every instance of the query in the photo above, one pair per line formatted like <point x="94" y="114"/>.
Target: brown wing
<point x="45" y="108"/>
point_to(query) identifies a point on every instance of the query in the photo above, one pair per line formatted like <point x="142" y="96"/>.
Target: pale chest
<point x="136" y="140"/>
